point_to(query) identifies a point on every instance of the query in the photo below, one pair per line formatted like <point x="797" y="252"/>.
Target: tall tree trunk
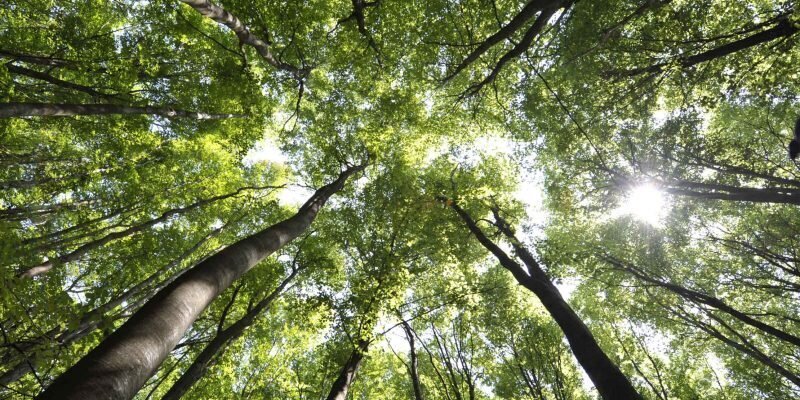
<point x="222" y="339"/>
<point x="122" y="363"/>
<point x="347" y="375"/>
<point x="530" y="9"/>
<point x="42" y="76"/>
<point x="605" y="375"/>
<point x="11" y="110"/>
<point x="412" y="365"/>
<point x="713" y="191"/>
<point x="90" y="320"/>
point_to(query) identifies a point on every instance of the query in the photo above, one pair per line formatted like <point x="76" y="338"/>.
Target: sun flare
<point x="646" y="203"/>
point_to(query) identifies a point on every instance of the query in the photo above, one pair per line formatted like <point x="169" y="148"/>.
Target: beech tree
<point x="612" y="173"/>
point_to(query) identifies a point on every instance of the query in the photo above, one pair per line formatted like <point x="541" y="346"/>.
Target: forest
<point x="399" y="199"/>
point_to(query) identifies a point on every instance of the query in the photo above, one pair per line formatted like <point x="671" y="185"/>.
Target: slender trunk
<point x="605" y="375"/>
<point x="784" y="28"/>
<point x="221" y="16"/>
<point x="122" y="363"/>
<point x="744" y="346"/>
<point x="412" y="366"/>
<point x="528" y="11"/>
<point x="733" y="193"/>
<point x="80" y="251"/>
<point x="11" y="110"/>
<point x="711" y="301"/>
<point x="521" y="47"/>
<point x="222" y="339"/>
<point x="15" y="69"/>
<point x="32" y="59"/>
<point x="347" y="375"/>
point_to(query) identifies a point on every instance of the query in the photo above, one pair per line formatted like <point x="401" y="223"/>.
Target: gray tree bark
<point x="119" y="366"/>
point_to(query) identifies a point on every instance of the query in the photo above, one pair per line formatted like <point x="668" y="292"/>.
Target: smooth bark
<point x="413" y="363"/>
<point x="605" y="375"/>
<point x="702" y="298"/>
<point x="530" y="9"/>
<point x="91" y="320"/>
<point x="347" y="375"/>
<point x="220" y="342"/>
<point x="221" y="16"/>
<point x="15" y="69"/>
<point x="122" y="363"/>
<point x="784" y="28"/>
<point x="713" y="191"/>
<point x="13" y="110"/>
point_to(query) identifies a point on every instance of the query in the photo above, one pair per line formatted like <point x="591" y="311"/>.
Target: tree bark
<point x="712" y="191"/>
<point x="347" y="375"/>
<point x="784" y="28"/>
<point x="122" y="363"/>
<point x="412" y="365"/>
<point x="222" y="339"/>
<point x="13" y="110"/>
<point x="221" y="16"/>
<point x="702" y="298"/>
<point x="605" y="375"/>
<point x="15" y="69"/>
<point x="530" y="9"/>
<point x="90" y="320"/>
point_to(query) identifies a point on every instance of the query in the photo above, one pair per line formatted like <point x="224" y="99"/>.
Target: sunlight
<point x="646" y="203"/>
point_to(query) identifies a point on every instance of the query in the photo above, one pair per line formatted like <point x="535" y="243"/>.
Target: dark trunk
<point x="10" y="110"/>
<point x="222" y="339"/>
<point x="412" y="365"/>
<point x="784" y="28"/>
<point x="347" y="375"/>
<point x="734" y="193"/>
<point x="122" y="363"/>
<point x="711" y="301"/>
<point x="15" y="69"/>
<point x="605" y="375"/>
<point x="528" y="11"/>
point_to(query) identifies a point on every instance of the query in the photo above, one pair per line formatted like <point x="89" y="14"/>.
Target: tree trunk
<point x="711" y="191"/>
<point x="605" y="375"/>
<point x="221" y="16"/>
<point x="784" y="28"/>
<point x="90" y="320"/>
<point x="122" y="363"/>
<point x="702" y="298"/>
<point x="222" y="339"/>
<point x="412" y="366"/>
<point x="342" y="383"/>
<point x="11" y="110"/>
<point x="528" y="11"/>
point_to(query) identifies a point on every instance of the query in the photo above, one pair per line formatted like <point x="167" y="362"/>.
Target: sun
<point x="645" y="202"/>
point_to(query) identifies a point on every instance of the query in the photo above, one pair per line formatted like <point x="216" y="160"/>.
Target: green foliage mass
<point x="696" y="99"/>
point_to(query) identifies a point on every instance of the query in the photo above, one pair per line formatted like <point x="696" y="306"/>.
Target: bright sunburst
<point x="646" y="203"/>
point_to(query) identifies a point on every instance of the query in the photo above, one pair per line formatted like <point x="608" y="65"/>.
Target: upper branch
<point x="218" y="14"/>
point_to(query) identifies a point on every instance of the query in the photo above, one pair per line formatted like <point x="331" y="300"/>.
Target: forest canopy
<point x="399" y="199"/>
